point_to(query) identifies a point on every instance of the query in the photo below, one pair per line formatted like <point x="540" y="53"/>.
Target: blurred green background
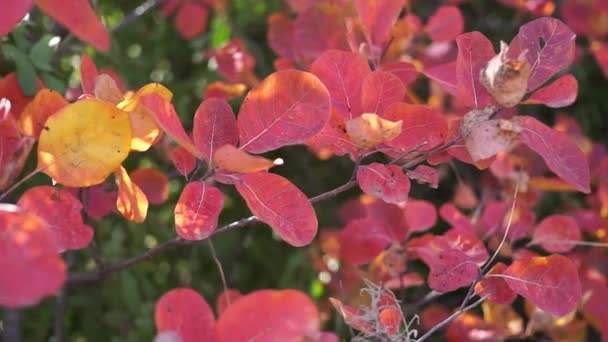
<point x="121" y="307"/>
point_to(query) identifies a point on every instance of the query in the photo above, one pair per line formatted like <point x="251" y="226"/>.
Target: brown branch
<point x="99" y="274"/>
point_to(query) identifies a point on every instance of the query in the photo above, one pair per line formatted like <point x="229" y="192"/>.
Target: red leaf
<point x="31" y="267"/>
<point x="185" y="312"/>
<point x="280" y="36"/>
<point x="560" y="153"/>
<point x="98" y="202"/>
<point x="551" y="283"/>
<point x="420" y="215"/>
<point x="183" y="160"/>
<point x="378" y="17"/>
<point x="191" y="19"/>
<point x="550" y="45"/>
<point x="88" y="74"/>
<point x="561" y="93"/>
<point x="214" y="126"/>
<point x="153" y="183"/>
<point x="12" y="12"/>
<point x="226" y="299"/>
<point x="14" y="147"/>
<point x="61" y="211"/>
<point x="445" y="75"/>
<point x="419" y="124"/>
<point x="554" y="230"/>
<point x="362" y="240"/>
<point x="166" y="117"/>
<point x="197" y="210"/>
<point x="456" y="219"/>
<point x="379" y="90"/>
<point x="79" y="17"/>
<point x="334" y="137"/>
<point x="11" y="90"/>
<point x="425" y="174"/>
<point x="320" y="28"/>
<point x="497" y="287"/>
<point x="474" y="51"/>
<point x="280" y="204"/>
<point x="390" y="216"/>
<point x="270" y="119"/>
<point x="404" y="71"/>
<point x="600" y="53"/>
<point x="445" y="24"/>
<point x="342" y="73"/>
<point x="233" y="61"/>
<point x="496" y="218"/>
<point x="386" y="182"/>
<point x="269" y="315"/>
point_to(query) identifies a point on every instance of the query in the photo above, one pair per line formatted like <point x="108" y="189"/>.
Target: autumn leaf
<point x="46" y="103"/>
<point x="557" y="233"/>
<point x="131" y="203"/>
<point x="197" y="210"/>
<point x="214" y="126"/>
<point x="154" y="184"/>
<point x="185" y="312"/>
<point x="386" y="182"/>
<point x="379" y="90"/>
<point x="369" y="130"/>
<point x="445" y="24"/>
<point x="83" y="143"/>
<point x="234" y="159"/>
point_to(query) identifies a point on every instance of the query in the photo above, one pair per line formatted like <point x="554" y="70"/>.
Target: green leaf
<point x="26" y="73"/>
<point x="20" y="38"/>
<point x="41" y="54"/>
<point x="220" y="31"/>
<point x="52" y="82"/>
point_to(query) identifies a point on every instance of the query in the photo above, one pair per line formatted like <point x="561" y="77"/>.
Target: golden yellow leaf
<point x="369" y="129"/>
<point x="233" y="159"/>
<point x="146" y="131"/>
<point x="132" y="203"/>
<point x="83" y="143"/>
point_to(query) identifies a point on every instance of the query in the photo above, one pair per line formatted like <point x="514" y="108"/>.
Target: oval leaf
<point x="131" y="202"/>
<point x="419" y="124"/>
<point x="474" y="51"/>
<point x="214" y="126"/>
<point x="153" y="183"/>
<point x="186" y="313"/>
<point x="46" y="103"/>
<point x="379" y="90"/>
<point x="445" y="24"/>
<point x="233" y="159"/>
<point x="386" y="182"/>
<point x="197" y="210"/>
<point x="560" y="93"/>
<point x="557" y="234"/>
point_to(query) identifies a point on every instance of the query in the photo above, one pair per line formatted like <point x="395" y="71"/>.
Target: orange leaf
<point x="153" y="183"/>
<point x="233" y="159"/>
<point x="131" y="202"/>
<point x="46" y="103"/>
<point x="369" y="129"/>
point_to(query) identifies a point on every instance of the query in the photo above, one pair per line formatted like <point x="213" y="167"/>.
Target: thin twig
<point x="136" y="13"/>
<point x="220" y="269"/>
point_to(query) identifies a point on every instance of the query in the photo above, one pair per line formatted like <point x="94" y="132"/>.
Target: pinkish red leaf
<point x="551" y="283"/>
<point x="404" y="71"/>
<point x="191" y="19"/>
<point x="269" y="315"/>
<point x="269" y="119"/>
<point x="379" y="90"/>
<point x="88" y="74"/>
<point x="496" y="217"/>
<point x="425" y="175"/>
<point x="14" y="147"/>
<point x="550" y="46"/>
<point x="153" y="183"/>
<point x="234" y="62"/>
<point x="166" y="117"/>
<point x="31" y="267"/>
<point x="496" y="287"/>
<point x="98" y="201"/>
<point x="10" y="90"/>
<point x="280" y="36"/>
<point x="419" y="124"/>
<point x="445" y="76"/>
<point x="386" y="182"/>
<point x="560" y="93"/>
<point x="560" y="153"/>
<point x="276" y="201"/>
<point x="420" y="215"/>
<point x="226" y="299"/>
<point x="362" y="240"/>
<point x="79" y="17"/>
<point x="333" y="137"/>
<point x="214" y="126"/>
<point x="378" y="17"/>
<point x="342" y="73"/>
<point x="474" y="51"/>
<point x="12" y="12"/>
<point x="183" y="160"/>
<point x="456" y="219"/>
<point x="445" y="24"/>
<point x="557" y="233"/>
<point x="320" y="28"/>
<point x="61" y="211"/>
<point x="186" y="313"/>
<point x="197" y="210"/>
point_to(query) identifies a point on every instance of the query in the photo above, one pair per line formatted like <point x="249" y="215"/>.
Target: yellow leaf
<point x="233" y="159"/>
<point x="83" y="143"/>
<point x="369" y="129"/>
<point x="132" y="203"/>
<point x="146" y="131"/>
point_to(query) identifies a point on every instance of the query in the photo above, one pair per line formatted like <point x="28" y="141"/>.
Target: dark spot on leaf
<point x="541" y="42"/>
<point x="47" y="128"/>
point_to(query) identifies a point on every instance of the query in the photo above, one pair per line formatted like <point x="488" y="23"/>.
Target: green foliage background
<point x="121" y="307"/>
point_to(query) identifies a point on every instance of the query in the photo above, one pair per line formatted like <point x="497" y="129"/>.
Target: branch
<point x="99" y="274"/>
<point x="136" y="13"/>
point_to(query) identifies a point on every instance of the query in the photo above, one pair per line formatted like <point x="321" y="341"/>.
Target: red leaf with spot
<point x="379" y="90"/>
<point x="191" y="19"/>
<point x="386" y="182"/>
<point x="12" y="12"/>
<point x="186" y="313"/>
<point x="153" y="183"/>
<point x="61" y="211"/>
<point x="378" y="17"/>
<point x="214" y="126"/>
<point x="554" y="232"/>
<point x="445" y="24"/>
<point x="561" y="93"/>
<point x="226" y="299"/>
<point x="550" y="45"/>
<point x="362" y="240"/>
<point x="197" y="210"/>
<point x="474" y="51"/>
<point x="166" y="117"/>
<point x="420" y="215"/>
<point x="419" y="124"/>
<point x="496" y="287"/>
<point x="88" y="74"/>
<point x="269" y="315"/>
<point x="269" y="119"/>
<point x="79" y="17"/>
<point x="425" y="175"/>
<point x="342" y="73"/>
<point x="280" y="204"/>
<point x="560" y="153"/>
<point x="551" y="283"/>
<point x="404" y="71"/>
<point x="31" y="267"/>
